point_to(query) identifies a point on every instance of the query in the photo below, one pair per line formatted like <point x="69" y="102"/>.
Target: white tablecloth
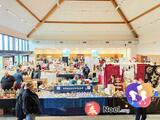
<point x="51" y="77"/>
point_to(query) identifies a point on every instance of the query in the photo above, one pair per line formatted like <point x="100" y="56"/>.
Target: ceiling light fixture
<point x="107" y="42"/>
<point x="129" y="42"/>
<point x="21" y="19"/>
<point x="18" y="18"/>
<point x="11" y="13"/>
<point x="84" y="42"/>
<point x="120" y="4"/>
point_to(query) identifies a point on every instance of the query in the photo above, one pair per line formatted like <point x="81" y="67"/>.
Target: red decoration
<point x="140" y="71"/>
<point x="111" y="70"/>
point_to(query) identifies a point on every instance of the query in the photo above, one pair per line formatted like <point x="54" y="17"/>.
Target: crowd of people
<point x="28" y="105"/>
<point x="14" y="81"/>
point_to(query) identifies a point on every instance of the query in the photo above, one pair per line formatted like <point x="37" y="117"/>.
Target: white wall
<point x="149" y="44"/>
<point x="101" y="46"/>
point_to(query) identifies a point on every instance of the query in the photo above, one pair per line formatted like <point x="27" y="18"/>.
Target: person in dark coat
<point x="7" y="82"/>
<point x="86" y="71"/>
<point x="36" y="73"/>
<point x="31" y="103"/>
<point x="141" y="113"/>
<point x="19" y="103"/>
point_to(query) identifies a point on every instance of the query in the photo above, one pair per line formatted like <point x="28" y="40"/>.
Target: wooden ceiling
<point x="59" y="5"/>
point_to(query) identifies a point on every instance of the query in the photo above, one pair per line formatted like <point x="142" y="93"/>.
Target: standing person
<point x="7" y="82"/>
<point x="74" y="80"/>
<point x="141" y="114"/>
<point x="86" y="71"/>
<point x="94" y="71"/>
<point x="32" y="73"/>
<point x="39" y="66"/>
<point x="31" y="103"/>
<point x="29" y="70"/>
<point x="19" y="79"/>
<point x="25" y="72"/>
<point x="36" y="73"/>
<point x="19" y="103"/>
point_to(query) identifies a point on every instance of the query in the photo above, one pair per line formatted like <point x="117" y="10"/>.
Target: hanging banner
<point x="152" y="74"/>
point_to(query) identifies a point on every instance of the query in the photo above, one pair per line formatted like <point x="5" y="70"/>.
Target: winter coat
<point x="31" y="103"/>
<point x="19" y="103"/>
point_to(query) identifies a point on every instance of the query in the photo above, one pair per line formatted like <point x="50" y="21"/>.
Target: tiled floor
<point x="104" y="117"/>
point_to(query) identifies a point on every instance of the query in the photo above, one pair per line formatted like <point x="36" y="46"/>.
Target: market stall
<point x="66" y="98"/>
<point x="76" y="106"/>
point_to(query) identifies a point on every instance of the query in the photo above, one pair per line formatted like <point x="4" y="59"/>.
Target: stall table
<point x="76" y="106"/>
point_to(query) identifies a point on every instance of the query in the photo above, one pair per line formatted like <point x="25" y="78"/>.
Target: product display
<point x="7" y="94"/>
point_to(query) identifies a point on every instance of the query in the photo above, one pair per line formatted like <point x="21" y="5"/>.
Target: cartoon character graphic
<point x="139" y="95"/>
<point x="133" y="95"/>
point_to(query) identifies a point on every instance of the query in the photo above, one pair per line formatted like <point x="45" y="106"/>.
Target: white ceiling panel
<point x="133" y="8"/>
<point x="86" y="11"/>
<point x="81" y="31"/>
<point x="15" y="17"/>
<point x="39" y="7"/>
<point x="149" y="23"/>
<point x="82" y="37"/>
<point x="82" y="28"/>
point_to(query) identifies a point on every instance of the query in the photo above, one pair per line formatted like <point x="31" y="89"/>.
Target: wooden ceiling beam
<point x="27" y="9"/>
<point x="88" y="0"/>
<point x="124" y="18"/>
<point x="145" y="13"/>
<point x="51" y="11"/>
<point x="85" y="22"/>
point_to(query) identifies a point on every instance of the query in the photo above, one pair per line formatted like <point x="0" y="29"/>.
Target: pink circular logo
<point x="92" y="108"/>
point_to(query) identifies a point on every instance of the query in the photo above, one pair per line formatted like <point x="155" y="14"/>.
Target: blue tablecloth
<point x="68" y="106"/>
<point x="76" y="106"/>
